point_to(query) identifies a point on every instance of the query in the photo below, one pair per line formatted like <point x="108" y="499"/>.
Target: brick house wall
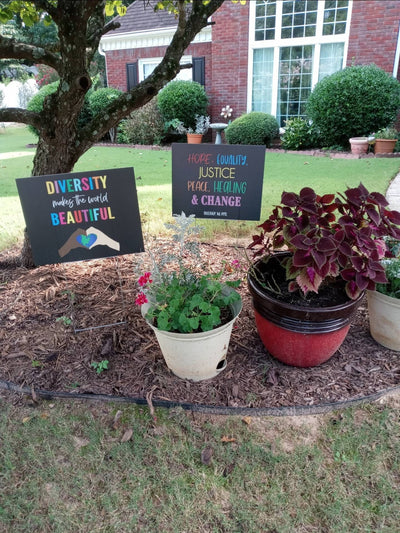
<point x="373" y="33"/>
<point x="230" y="38"/>
<point x="373" y="38"/>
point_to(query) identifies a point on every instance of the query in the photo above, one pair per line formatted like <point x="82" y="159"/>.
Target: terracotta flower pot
<point x="384" y="146"/>
<point x="302" y="336"/>
<point x="194" y="138"/>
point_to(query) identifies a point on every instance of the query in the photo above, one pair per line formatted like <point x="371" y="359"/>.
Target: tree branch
<point x="16" y="114"/>
<point x="189" y="25"/>
<point x="12" y="49"/>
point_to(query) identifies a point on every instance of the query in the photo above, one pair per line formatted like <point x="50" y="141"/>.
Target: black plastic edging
<point x="294" y="410"/>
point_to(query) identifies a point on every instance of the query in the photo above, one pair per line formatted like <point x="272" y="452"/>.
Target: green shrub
<point x="299" y="135"/>
<point x="252" y="128"/>
<point x="183" y="100"/>
<point x="101" y="98"/>
<point x="144" y="126"/>
<point x="353" y="102"/>
<point x="36" y="104"/>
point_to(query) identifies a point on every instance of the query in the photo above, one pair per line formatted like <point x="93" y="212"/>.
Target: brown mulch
<point x="40" y="351"/>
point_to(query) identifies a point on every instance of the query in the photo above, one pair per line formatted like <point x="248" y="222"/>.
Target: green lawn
<point x="98" y="467"/>
<point x="153" y="178"/>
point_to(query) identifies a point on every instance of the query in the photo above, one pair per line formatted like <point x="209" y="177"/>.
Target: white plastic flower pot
<point x="384" y="319"/>
<point x="196" y="356"/>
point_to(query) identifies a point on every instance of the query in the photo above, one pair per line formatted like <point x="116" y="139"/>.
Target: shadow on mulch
<point x="40" y="350"/>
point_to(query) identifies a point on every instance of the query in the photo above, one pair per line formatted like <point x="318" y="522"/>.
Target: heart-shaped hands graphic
<point x="89" y="238"/>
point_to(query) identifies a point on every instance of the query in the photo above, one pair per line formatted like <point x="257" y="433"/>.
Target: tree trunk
<point x="26" y="256"/>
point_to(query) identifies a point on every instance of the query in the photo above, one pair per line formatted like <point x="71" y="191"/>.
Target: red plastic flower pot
<point x="298" y="349"/>
<point x="297" y="335"/>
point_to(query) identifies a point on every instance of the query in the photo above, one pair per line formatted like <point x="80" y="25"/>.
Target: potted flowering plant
<point x="384" y="302"/>
<point x="304" y="297"/>
<point x="192" y="313"/>
<point x="385" y="140"/>
<point x="194" y="135"/>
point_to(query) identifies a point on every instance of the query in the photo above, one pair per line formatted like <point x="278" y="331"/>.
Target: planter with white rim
<point x="359" y="145"/>
<point x="384" y="319"/>
<point x="196" y="356"/>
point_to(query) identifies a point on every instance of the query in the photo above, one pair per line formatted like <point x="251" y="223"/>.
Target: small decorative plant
<point x="330" y="236"/>
<point x="201" y="127"/>
<point x="181" y="298"/>
<point x="391" y="266"/>
<point x="386" y="133"/>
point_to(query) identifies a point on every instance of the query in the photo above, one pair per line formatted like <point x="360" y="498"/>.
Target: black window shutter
<point x="198" y="70"/>
<point x="132" y="75"/>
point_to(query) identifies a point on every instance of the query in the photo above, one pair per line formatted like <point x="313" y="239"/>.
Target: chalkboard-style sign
<point x="81" y="215"/>
<point x="217" y="180"/>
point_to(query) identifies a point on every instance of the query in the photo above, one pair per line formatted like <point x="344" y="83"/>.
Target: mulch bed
<point x="40" y="350"/>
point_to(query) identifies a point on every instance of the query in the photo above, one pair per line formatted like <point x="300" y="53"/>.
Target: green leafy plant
<point x="252" y="128"/>
<point x="202" y="123"/>
<point x="66" y="320"/>
<point x="100" y="366"/>
<point x="330" y="236"/>
<point x="299" y="135"/>
<point x="352" y="103"/>
<point x="183" y="100"/>
<point x="180" y="297"/>
<point x="387" y="133"/>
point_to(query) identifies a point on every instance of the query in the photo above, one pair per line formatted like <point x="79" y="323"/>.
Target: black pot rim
<point x="292" y="317"/>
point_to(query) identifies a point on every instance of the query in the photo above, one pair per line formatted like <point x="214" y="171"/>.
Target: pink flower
<point x="141" y="299"/>
<point x="235" y="263"/>
<point x="145" y="279"/>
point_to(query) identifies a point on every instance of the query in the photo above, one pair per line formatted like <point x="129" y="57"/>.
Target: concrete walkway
<point x="393" y="193"/>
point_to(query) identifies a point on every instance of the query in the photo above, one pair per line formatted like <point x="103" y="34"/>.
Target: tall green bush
<point x="183" y="100"/>
<point x="144" y="126"/>
<point x="36" y="104"/>
<point x="353" y="102"/>
<point x="252" y="128"/>
<point x="99" y="99"/>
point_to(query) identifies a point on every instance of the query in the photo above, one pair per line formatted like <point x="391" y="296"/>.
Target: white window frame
<point x="157" y="60"/>
<point x="279" y="43"/>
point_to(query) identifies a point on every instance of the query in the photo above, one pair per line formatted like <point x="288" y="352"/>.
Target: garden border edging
<point x="295" y="410"/>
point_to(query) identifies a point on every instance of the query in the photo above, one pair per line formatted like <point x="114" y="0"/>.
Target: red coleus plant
<point x="330" y="236"/>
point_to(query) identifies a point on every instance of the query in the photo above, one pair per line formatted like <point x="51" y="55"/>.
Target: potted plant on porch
<point x="191" y="312"/>
<point x="384" y="302"/>
<point x="385" y="140"/>
<point x="194" y="135"/>
<point x="304" y="297"/>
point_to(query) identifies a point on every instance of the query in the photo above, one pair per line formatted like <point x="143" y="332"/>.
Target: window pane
<point x="299" y="6"/>
<point x="265" y="18"/>
<point x="331" y="59"/>
<point x="287" y="7"/>
<point x="262" y="80"/>
<point x="295" y="69"/>
<point x="301" y="17"/>
<point x="335" y="17"/>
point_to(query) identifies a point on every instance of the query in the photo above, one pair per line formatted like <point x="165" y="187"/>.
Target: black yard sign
<point x="81" y="215"/>
<point x="217" y="181"/>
